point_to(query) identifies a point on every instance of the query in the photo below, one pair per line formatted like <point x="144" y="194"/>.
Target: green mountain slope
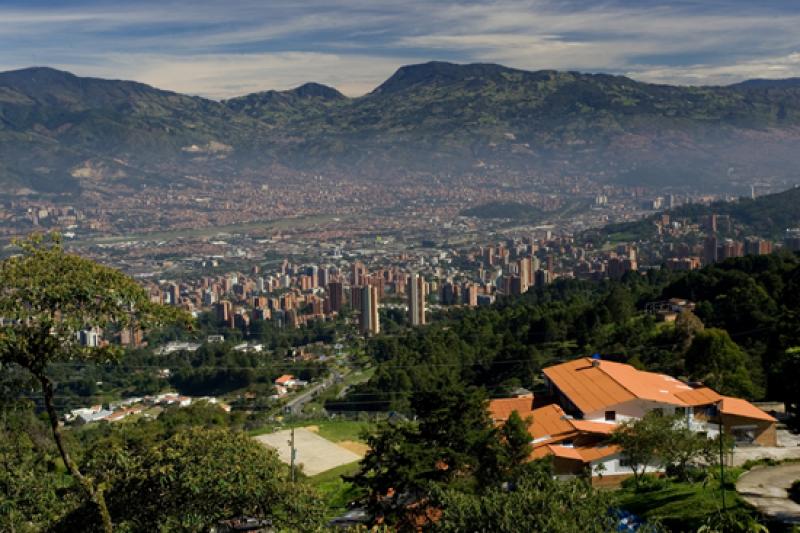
<point x="431" y="118"/>
<point x="53" y="121"/>
<point x="766" y="216"/>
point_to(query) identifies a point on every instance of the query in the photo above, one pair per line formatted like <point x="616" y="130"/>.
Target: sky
<point x="222" y="49"/>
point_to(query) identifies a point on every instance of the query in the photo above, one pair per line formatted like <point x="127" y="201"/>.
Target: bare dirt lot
<point x="315" y="453"/>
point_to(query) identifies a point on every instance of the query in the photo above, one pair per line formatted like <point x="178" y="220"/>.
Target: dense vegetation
<point x="435" y="117"/>
<point x="185" y="471"/>
<point x="739" y="338"/>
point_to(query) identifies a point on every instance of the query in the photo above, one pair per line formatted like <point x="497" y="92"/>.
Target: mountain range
<point x="60" y="132"/>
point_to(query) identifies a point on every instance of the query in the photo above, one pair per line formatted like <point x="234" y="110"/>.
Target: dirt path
<point x="766" y="489"/>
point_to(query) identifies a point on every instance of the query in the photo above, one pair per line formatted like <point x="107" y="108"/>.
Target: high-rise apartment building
<point x="416" y="300"/>
<point x="370" y="322"/>
<point x="336" y="295"/>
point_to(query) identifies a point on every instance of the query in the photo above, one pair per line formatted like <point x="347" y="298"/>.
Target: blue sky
<point x="227" y="48"/>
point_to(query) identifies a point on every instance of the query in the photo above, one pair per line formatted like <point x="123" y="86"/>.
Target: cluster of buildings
<point x="588" y="397"/>
<point x="721" y="241"/>
<point x="116" y="411"/>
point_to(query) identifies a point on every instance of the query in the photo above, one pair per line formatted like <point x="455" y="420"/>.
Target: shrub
<point x="794" y="491"/>
<point x="647" y="483"/>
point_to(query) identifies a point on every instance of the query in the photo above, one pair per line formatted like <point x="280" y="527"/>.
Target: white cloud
<point x="189" y="46"/>
<point x="228" y="75"/>
<point x="786" y="66"/>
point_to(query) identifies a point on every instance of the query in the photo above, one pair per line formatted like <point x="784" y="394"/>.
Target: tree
<point x="447" y="443"/>
<point x="48" y="296"/>
<point x="516" y="440"/>
<point x="687" y="325"/>
<point x="30" y="481"/>
<point x="196" y="478"/>
<point x="720" y="363"/>
<point x="641" y="441"/>
<point x="790" y="380"/>
<point x="620" y="304"/>
<point x="536" y="503"/>
<point x="681" y="446"/>
<point x="506" y="450"/>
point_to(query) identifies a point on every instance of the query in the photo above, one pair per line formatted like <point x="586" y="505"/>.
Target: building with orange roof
<point x="592" y="396"/>
<point x="501" y="408"/>
<point x="574" y="446"/>
<point x="605" y="392"/>
<point x="747" y="423"/>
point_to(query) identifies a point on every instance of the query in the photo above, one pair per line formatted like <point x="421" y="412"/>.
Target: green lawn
<point x="333" y="430"/>
<point x="339" y="430"/>
<point x="679" y="506"/>
<point x="336" y="492"/>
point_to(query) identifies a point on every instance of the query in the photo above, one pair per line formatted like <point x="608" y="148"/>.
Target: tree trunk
<point x="95" y="494"/>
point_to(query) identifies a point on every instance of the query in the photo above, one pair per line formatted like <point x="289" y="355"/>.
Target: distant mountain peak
<point x="37" y="73"/>
<point x="766" y="83"/>
<point x="316" y="90"/>
<point x="440" y="71"/>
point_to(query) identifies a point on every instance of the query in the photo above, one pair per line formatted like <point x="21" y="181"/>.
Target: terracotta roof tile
<point x="743" y="408"/>
<point x="699" y="396"/>
<point x="585" y="454"/>
<point x="587" y="386"/>
<point x="550" y="421"/>
<point x="501" y="408"/>
<point x="593" y="427"/>
<point x="593" y="387"/>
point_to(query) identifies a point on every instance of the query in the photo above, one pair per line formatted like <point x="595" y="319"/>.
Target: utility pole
<point x="293" y="453"/>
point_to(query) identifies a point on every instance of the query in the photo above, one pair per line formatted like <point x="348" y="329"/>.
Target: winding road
<point x="766" y="489"/>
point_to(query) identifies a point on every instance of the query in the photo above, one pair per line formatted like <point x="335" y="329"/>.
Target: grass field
<point x="680" y="506"/>
<point x="333" y="430"/>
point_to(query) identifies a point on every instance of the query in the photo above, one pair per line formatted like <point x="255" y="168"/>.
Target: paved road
<point x="296" y="404"/>
<point x="765" y="488"/>
<point x="315" y="453"/>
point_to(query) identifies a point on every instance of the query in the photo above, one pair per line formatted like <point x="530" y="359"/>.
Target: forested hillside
<point x="747" y="316"/>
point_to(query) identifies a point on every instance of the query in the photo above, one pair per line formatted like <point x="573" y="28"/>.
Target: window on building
<point x="659" y="411"/>
<point x="611" y="416"/>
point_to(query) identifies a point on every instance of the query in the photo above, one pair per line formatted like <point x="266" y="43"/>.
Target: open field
<point x="315" y="453"/>
<point x="336" y="430"/>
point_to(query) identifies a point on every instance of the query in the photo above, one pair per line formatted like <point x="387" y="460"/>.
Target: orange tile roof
<point x="699" y="396"/>
<point x="550" y="421"/>
<point x="284" y="378"/>
<point x="593" y="388"/>
<point x="593" y="427"/>
<point x="501" y="408"/>
<point x="586" y="386"/>
<point x="593" y="453"/>
<point x="585" y="454"/>
<point x="743" y="408"/>
<point x="565" y="452"/>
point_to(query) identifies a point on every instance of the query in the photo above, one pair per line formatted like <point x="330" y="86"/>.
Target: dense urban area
<point x="323" y="337"/>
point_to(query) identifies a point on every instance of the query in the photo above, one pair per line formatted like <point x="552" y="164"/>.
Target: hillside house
<point x="591" y="396"/>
